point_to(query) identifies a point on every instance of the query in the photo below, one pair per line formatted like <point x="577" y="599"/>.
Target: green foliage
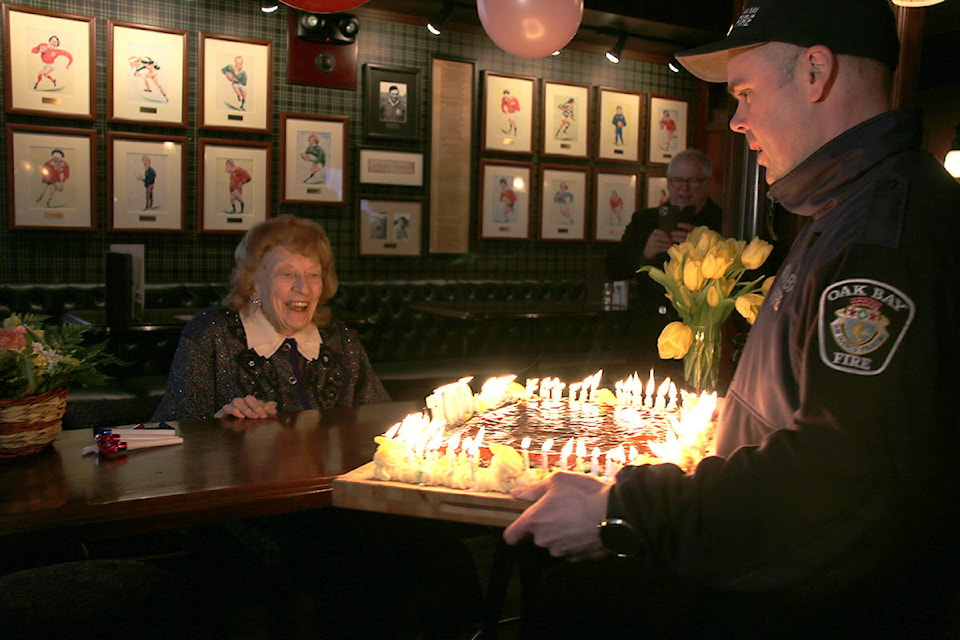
<point x="36" y="358"/>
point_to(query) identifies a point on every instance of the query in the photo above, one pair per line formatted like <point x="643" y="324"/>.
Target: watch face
<point x="619" y="537"/>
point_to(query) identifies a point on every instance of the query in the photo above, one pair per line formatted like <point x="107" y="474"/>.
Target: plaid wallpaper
<point x="51" y="256"/>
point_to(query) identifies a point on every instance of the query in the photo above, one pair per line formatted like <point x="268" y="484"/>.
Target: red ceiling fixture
<point x="324" y="6"/>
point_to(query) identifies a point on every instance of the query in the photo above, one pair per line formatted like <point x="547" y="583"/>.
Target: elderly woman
<point x="274" y="345"/>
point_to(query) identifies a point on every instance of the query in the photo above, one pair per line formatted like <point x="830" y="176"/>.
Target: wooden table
<point x="224" y="469"/>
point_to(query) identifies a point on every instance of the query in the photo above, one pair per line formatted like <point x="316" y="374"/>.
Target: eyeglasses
<point x="690" y="182"/>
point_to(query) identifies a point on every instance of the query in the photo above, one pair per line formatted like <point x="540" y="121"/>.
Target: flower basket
<point x="30" y="424"/>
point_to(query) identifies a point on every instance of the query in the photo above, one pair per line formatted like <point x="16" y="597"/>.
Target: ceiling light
<point x="673" y="67"/>
<point x="436" y="23"/>
<point x="613" y="55"/>
<point x="952" y="162"/>
<point x="916" y="3"/>
<point x="269" y="6"/>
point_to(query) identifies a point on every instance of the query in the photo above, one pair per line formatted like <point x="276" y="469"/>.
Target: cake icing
<point x="508" y="434"/>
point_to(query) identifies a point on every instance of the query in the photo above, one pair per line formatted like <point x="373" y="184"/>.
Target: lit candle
<point x="574" y="387"/>
<point x="672" y="404"/>
<point x="651" y="388"/>
<point x="594" y="384"/>
<point x="581" y="453"/>
<point x="544" y="450"/>
<point x="565" y="453"/>
<point x="472" y="453"/>
<point x="595" y="461"/>
<point x="391" y="433"/>
<point x="452" y="445"/>
<point x="531" y="387"/>
<point x="662" y="394"/>
<point x="524" y="449"/>
<point x="618" y="386"/>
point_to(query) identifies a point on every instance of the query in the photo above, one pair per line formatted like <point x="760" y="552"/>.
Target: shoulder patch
<point x="861" y="325"/>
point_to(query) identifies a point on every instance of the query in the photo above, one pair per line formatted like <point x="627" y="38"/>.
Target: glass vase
<point x="701" y="365"/>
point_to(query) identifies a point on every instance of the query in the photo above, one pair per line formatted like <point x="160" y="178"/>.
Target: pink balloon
<point x="530" y="28"/>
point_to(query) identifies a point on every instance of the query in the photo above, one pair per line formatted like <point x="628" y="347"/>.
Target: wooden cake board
<point x="359" y="490"/>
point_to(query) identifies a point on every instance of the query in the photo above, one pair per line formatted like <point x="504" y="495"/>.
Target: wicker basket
<point x="30" y="424"/>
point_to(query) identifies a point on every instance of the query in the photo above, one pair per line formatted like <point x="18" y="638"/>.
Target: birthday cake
<point x="509" y="434"/>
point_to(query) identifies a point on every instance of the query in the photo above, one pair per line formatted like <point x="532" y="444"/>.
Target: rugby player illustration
<point x="50" y="52"/>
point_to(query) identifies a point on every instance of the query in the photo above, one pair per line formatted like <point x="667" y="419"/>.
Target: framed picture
<point x="390" y="227"/>
<point x="656" y="191"/>
<point x="566" y="119"/>
<point x="51" y="173"/>
<point x="235" y="83"/>
<point x="619" y="123"/>
<point x="49" y="63"/>
<point x="145" y="182"/>
<point x="563" y="203"/>
<point x="508" y="108"/>
<point x="312" y="158"/>
<point x="147" y="74"/>
<point x="234" y="184"/>
<point x="616" y="196"/>
<point x="391" y="167"/>
<point x="505" y="200"/>
<point x="667" y="127"/>
<point x="391" y="101"/>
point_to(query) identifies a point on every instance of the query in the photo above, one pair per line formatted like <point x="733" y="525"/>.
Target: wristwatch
<point x="616" y="534"/>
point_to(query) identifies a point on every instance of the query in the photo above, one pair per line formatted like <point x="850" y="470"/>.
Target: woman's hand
<point x="248" y="407"/>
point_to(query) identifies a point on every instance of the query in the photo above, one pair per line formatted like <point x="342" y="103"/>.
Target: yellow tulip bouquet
<point x="702" y="281"/>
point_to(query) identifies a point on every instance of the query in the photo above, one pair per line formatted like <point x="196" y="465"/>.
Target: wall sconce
<point x="337" y="28"/>
<point x="436" y="23"/>
<point x="613" y="55"/>
<point x="952" y="162"/>
<point x="269" y="6"/>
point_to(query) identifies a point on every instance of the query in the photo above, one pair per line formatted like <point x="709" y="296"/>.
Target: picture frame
<point x="656" y="190"/>
<point x="667" y="128"/>
<point x="313" y="158"/>
<point x="145" y="181"/>
<point x="391" y="102"/>
<point x="38" y="46"/>
<point x="147" y="74"/>
<point x="51" y="173"/>
<point x="401" y="168"/>
<point x="452" y="115"/>
<point x="505" y="217"/>
<point x="219" y="200"/>
<point x="390" y="227"/>
<point x="563" y="203"/>
<point x="616" y="197"/>
<point x="619" y="125"/>
<point x="509" y="106"/>
<point x="565" y="121"/>
<point x="230" y="97"/>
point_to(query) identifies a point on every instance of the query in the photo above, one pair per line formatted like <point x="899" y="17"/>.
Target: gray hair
<point x="706" y="167"/>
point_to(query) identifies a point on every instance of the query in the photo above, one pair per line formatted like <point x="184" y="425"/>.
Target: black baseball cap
<point x="864" y="28"/>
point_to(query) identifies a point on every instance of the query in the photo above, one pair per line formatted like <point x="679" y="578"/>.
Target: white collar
<point x="264" y="339"/>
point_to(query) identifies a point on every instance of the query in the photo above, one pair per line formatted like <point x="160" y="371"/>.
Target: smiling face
<point x="289" y="285"/>
<point x="773" y="108"/>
